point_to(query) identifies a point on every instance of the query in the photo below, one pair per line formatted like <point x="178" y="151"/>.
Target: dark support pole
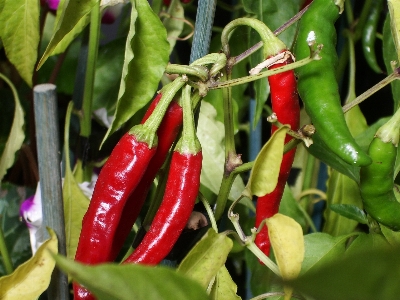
<point x="48" y="148"/>
<point x="202" y="29"/>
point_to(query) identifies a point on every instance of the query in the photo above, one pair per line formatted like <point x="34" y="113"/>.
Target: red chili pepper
<point x="285" y="103"/>
<point x="118" y="178"/>
<point x="167" y="134"/>
<point x="181" y="190"/>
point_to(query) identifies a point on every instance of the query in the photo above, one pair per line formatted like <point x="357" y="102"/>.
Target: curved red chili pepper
<point x="167" y="134"/>
<point x="180" y="195"/>
<point x="285" y="103"/>
<point x="117" y="179"/>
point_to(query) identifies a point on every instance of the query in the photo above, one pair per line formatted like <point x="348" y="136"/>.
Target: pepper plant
<point x="262" y="163"/>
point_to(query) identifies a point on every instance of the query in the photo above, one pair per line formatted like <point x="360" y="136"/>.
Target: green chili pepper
<point x="369" y="35"/>
<point x="317" y="84"/>
<point x="377" y="179"/>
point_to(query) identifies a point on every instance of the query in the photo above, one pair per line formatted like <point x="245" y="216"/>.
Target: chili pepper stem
<point x="198" y="71"/>
<point x="272" y="45"/>
<point x="314" y="55"/>
<point x="390" y="131"/>
<point x="188" y="143"/>
<point x="146" y="132"/>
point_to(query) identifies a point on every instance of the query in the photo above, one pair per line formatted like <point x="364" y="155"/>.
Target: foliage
<point x="324" y="244"/>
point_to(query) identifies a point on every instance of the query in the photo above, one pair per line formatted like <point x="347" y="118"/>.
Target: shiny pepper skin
<point x="317" y="83"/>
<point x="167" y="134"/>
<point x="376" y="184"/>
<point x="119" y="176"/>
<point x="180" y="195"/>
<point x="285" y="103"/>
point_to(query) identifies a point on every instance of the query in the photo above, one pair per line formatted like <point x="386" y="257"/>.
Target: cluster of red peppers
<point x="126" y="178"/>
<point x="128" y="174"/>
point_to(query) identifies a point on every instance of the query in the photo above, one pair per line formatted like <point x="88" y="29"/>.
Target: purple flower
<point x="53" y="4"/>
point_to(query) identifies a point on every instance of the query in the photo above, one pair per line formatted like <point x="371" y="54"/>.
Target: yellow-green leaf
<point x="394" y="10"/>
<point x="75" y="202"/>
<point x="71" y="22"/>
<point x="211" y="134"/>
<point x="205" y="259"/>
<point x="287" y="241"/>
<point x="19" y="32"/>
<point x="146" y="56"/>
<point x="16" y="136"/>
<point x="31" y="278"/>
<point x="265" y="172"/>
<point x="224" y="287"/>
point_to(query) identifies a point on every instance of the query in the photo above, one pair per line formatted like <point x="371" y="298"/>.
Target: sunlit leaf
<point x="286" y="236"/>
<point x="205" y="259"/>
<point x="19" y="32"/>
<point x="132" y="281"/>
<point x="16" y="136"/>
<point x="71" y="22"/>
<point x="32" y="278"/>
<point x="224" y="287"/>
<point x="75" y="202"/>
<point x="211" y="135"/>
<point x="265" y="172"/>
<point x="144" y="62"/>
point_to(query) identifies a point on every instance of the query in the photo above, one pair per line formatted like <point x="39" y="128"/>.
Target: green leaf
<point x="109" y="65"/>
<point x="32" y="278"/>
<point x="368" y="274"/>
<point x="211" y="135"/>
<point x="350" y="211"/>
<point x="19" y="33"/>
<point x="16" y="136"/>
<point x="75" y="202"/>
<point x="341" y="191"/>
<point x="321" y="248"/>
<point x="146" y="56"/>
<point x="323" y="153"/>
<point x="174" y="22"/>
<point x="391" y="236"/>
<point x="16" y="233"/>
<point x="367" y="241"/>
<point x="71" y="22"/>
<point x="224" y="287"/>
<point x="264" y="174"/>
<point x="390" y="54"/>
<point x="291" y="208"/>
<point x="132" y="281"/>
<point x="205" y="259"/>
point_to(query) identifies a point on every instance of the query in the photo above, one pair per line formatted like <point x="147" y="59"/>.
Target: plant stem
<point x="250" y="78"/>
<point x="395" y="75"/>
<point x="209" y="211"/>
<point x="4" y="253"/>
<point x="197" y="71"/>
<point x="94" y="35"/>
